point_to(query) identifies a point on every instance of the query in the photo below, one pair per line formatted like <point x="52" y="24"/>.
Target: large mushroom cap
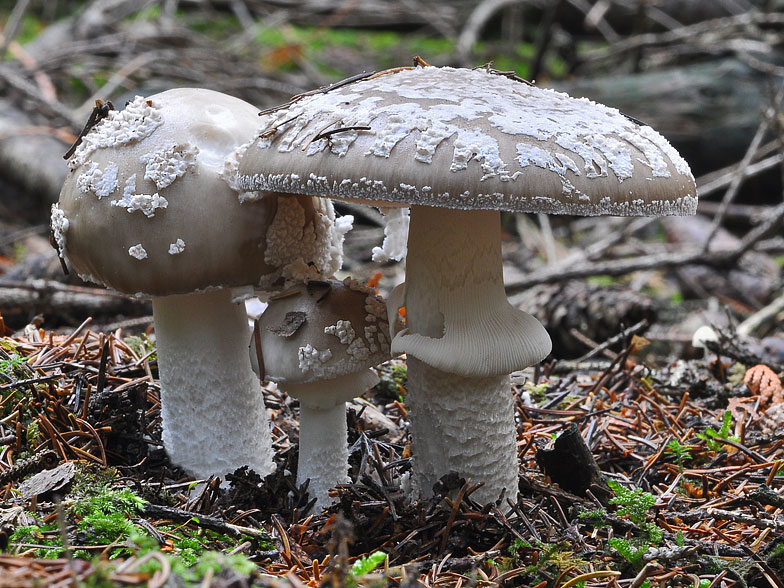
<point x="150" y="205"/>
<point x="467" y="139"/>
<point x="322" y="332"/>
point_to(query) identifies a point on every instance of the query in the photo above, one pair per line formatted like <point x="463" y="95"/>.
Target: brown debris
<point x="762" y="380"/>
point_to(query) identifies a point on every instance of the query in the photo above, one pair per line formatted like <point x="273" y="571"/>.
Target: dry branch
<point x="668" y="260"/>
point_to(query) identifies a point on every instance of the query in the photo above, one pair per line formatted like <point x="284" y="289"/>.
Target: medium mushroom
<point x="150" y="208"/>
<point x="460" y="145"/>
<point x="317" y="341"/>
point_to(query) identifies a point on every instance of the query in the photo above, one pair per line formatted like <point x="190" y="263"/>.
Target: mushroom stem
<point x="323" y="450"/>
<point x="463" y="425"/>
<point x="323" y="438"/>
<point x="466" y="338"/>
<point x="209" y="395"/>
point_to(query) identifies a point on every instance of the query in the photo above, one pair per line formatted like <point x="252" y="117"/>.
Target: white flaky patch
<point x="310" y="358"/>
<point x="137" y="120"/>
<point x="342" y="330"/>
<point x="59" y="223"/>
<point x="177" y="247"/>
<point x="100" y="182"/>
<point x="146" y="203"/>
<point x="306" y="250"/>
<point x="395" y="235"/>
<point x="166" y="165"/>
<point x="490" y="127"/>
<point x="528" y="154"/>
<point x="229" y="173"/>
<point x="138" y="252"/>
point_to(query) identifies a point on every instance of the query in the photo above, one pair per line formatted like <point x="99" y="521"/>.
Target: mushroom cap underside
<point x="467" y="139"/>
<point x="149" y="204"/>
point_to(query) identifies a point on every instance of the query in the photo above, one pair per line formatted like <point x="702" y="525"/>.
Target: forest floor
<point x="690" y="454"/>
<point x="686" y="478"/>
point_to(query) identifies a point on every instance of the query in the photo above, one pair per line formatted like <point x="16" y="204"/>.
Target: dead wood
<point x="31" y="154"/>
<point x="571" y="465"/>
<point x="721" y="258"/>
<point x="22" y="300"/>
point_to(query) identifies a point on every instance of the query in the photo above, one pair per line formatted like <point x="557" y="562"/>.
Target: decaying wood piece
<point x="572" y="466"/>
<point x="617" y="267"/>
<point x="19" y="301"/>
<point x="752" y="280"/>
<point x="48" y="482"/>
<point x="31" y="154"/>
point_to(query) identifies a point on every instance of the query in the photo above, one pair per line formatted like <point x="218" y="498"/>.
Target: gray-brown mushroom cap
<point x="320" y="332"/>
<point x="149" y="205"/>
<point x="467" y="139"/>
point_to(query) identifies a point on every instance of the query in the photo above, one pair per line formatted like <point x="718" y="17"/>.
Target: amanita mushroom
<point x="460" y="145"/>
<point x="150" y="208"/>
<point x="317" y="341"/>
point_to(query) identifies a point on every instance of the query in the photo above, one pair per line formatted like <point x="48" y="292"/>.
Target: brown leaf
<point x="741" y="408"/>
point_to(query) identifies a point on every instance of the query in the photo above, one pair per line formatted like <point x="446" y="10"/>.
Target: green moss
<point x="270" y="38"/>
<point x="635" y="504"/>
<point x="46" y="536"/>
<point x="142" y="345"/>
<point x="776" y="557"/>
<point x="215" y="561"/>
<point x="90" y="480"/>
<point x="601" y="281"/>
<point x="596" y="518"/>
<point x="215" y="25"/>
<point x="32" y="434"/>
<point x="13" y="367"/>
<point x="712" y="436"/>
<point x="148" y="13"/>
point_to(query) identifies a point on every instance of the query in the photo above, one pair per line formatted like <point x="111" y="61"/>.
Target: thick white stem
<point x="463" y="425"/>
<point x="214" y="419"/>
<point x="323" y="450"/>
<point x="463" y="339"/>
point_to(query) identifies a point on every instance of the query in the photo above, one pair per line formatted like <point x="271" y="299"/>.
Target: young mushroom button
<point x="460" y="145"/>
<point x="151" y="207"/>
<point x="318" y="341"/>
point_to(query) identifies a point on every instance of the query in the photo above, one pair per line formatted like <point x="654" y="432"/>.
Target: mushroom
<point x="460" y="145"/>
<point x="702" y="336"/>
<point x="317" y="341"/>
<point x="150" y="208"/>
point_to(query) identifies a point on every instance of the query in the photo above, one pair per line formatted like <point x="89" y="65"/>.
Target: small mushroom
<point x="317" y="342"/>
<point x="150" y="208"/>
<point x="459" y="145"/>
<point x="703" y="335"/>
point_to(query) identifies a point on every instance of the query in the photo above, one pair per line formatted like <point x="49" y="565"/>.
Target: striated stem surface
<point x="214" y="418"/>
<point x="465" y="425"/>
<point x="323" y="450"/>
